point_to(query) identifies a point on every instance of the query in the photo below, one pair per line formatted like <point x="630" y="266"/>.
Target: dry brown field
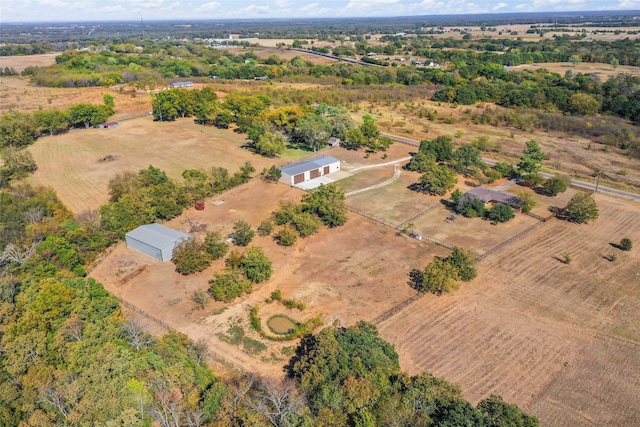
<point x="573" y="155"/>
<point x="71" y="162"/>
<point x="20" y="63"/>
<point x="562" y="341"/>
<point x="602" y="71"/>
<point x="17" y="93"/>
<point x="353" y="272"/>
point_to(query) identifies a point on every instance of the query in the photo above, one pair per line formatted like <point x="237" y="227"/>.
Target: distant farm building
<point x="261" y="78"/>
<point x="493" y="196"/>
<point x="333" y="142"/>
<point x="180" y="84"/>
<point x="308" y="170"/>
<point x="107" y="125"/>
<point x="155" y="240"/>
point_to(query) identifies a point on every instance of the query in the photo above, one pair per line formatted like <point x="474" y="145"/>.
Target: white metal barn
<point x="297" y="173"/>
<point x="155" y="240"/>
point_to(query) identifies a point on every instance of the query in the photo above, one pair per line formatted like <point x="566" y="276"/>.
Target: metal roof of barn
<point x="308" y="165"/>
<point x="157" y="235"/>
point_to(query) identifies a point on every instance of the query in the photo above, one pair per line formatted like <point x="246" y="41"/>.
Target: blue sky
<point x="107" y="10"/>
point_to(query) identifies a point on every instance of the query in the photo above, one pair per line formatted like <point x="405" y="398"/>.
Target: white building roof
<point x="156" y="235"/>
<point x="308" y="165"/>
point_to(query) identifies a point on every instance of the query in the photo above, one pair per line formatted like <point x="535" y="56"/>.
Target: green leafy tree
<point x="88" y="115"/>
<point x="354" y="139"/>
<point x="17" y="130"/>
<point x="270" y="144"/>
<point x="584" y="104"/>
<point x="312" y="131"/>
<point x="306" y="224"/>
<point x="440" y="277"/>
<point x="190" y="257"/>
<point x="266" y="227"/>
<point x="229" y="284"/>
<point x="575" y="60"/>
<point x="327" y="202"/>
<point x="531" y="159"/>
<point x="582" y="208"/>
<point x="499" y="413"/>
<point x="286" y="235"/>
<point x="467" y="157"/>
<point x="527" y="201"/>
<point x="242" y="233"/>
<point x="16" y="164"/>
<point x="501" y="213"/>
<point x="125" y="214"/>
<point x="272" y="174"/>
<point x="257" y="265"/>
<point x="437" y="180"/>
<point x="470" y="206"/>
<point x="369" y="128"/>
<point x="215" y="245"/>
<point x="52" y="122"/>
<point x="421" y="162"/>
<point x="556" y="185"/>
<point x="464" y="261"/>
<point x="626" y="244"/>
<point x="441" y="147"/>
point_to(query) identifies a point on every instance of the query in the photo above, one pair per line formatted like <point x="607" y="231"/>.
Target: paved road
<point x="576" y="183"/>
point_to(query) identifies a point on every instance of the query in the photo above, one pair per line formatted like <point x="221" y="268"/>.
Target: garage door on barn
<point x="297" y="173"/>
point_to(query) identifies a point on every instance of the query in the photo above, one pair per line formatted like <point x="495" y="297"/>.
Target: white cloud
<point x="369" y="4"/>
<point x="209" y="7"/>
<point x="499" y="6"/>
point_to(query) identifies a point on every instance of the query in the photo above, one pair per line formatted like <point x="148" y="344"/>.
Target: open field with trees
<point x="334" y="306"/>
<point x="532" y="328"/>
<point x="71" y="162"/>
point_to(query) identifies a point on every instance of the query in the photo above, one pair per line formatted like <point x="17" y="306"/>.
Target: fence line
<point x="401" y="306"/>
<point x="511" y="240"/>
<point x="371" y="217"/>
<point x="419" y="215"/>
<point x="164" y="325"/>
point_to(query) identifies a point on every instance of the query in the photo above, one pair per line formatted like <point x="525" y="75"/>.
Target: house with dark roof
<point x="493" y="196"/>
<point x="297" y="173"/>
<point x="155" y="240"/>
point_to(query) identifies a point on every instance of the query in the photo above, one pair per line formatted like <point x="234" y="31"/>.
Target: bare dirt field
<point x="71" y="162"/>
<point x="324" y="272"/>
<point x="561" y="340"/>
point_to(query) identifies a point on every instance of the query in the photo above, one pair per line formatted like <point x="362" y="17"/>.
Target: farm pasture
<point x="354" y="272"/>
<point x="536" y="330"/>
<point x="71" y="162"/>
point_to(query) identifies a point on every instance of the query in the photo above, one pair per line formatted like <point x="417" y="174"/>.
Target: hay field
<point x="20" y="63"/>
<point x="70" y="163"/>
<point x="562" y="341"/>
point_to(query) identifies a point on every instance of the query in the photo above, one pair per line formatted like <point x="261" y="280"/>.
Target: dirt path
<point x="396" y="175"/>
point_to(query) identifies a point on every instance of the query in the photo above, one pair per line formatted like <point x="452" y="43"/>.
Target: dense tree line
<point x="25" y="49"/>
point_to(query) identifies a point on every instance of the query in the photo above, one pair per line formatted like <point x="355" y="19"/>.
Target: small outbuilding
<point x="155" y="240"/>
<point x="297" y="173"/>
<point x="333" y="142"/>
<point x="107" y="125"/>
<point x="180" y="84"/>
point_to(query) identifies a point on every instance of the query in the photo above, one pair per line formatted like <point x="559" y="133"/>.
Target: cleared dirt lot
<point x="539" y="332"/>
<point x="70" y="163"/>
<point x="354" y="272"/>
<point x="602" y="71"/>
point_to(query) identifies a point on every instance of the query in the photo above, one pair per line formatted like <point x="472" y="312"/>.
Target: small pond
<point x="281" y="325"/>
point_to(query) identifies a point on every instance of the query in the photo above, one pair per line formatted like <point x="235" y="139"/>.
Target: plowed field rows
<point x="531" y="328"/>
